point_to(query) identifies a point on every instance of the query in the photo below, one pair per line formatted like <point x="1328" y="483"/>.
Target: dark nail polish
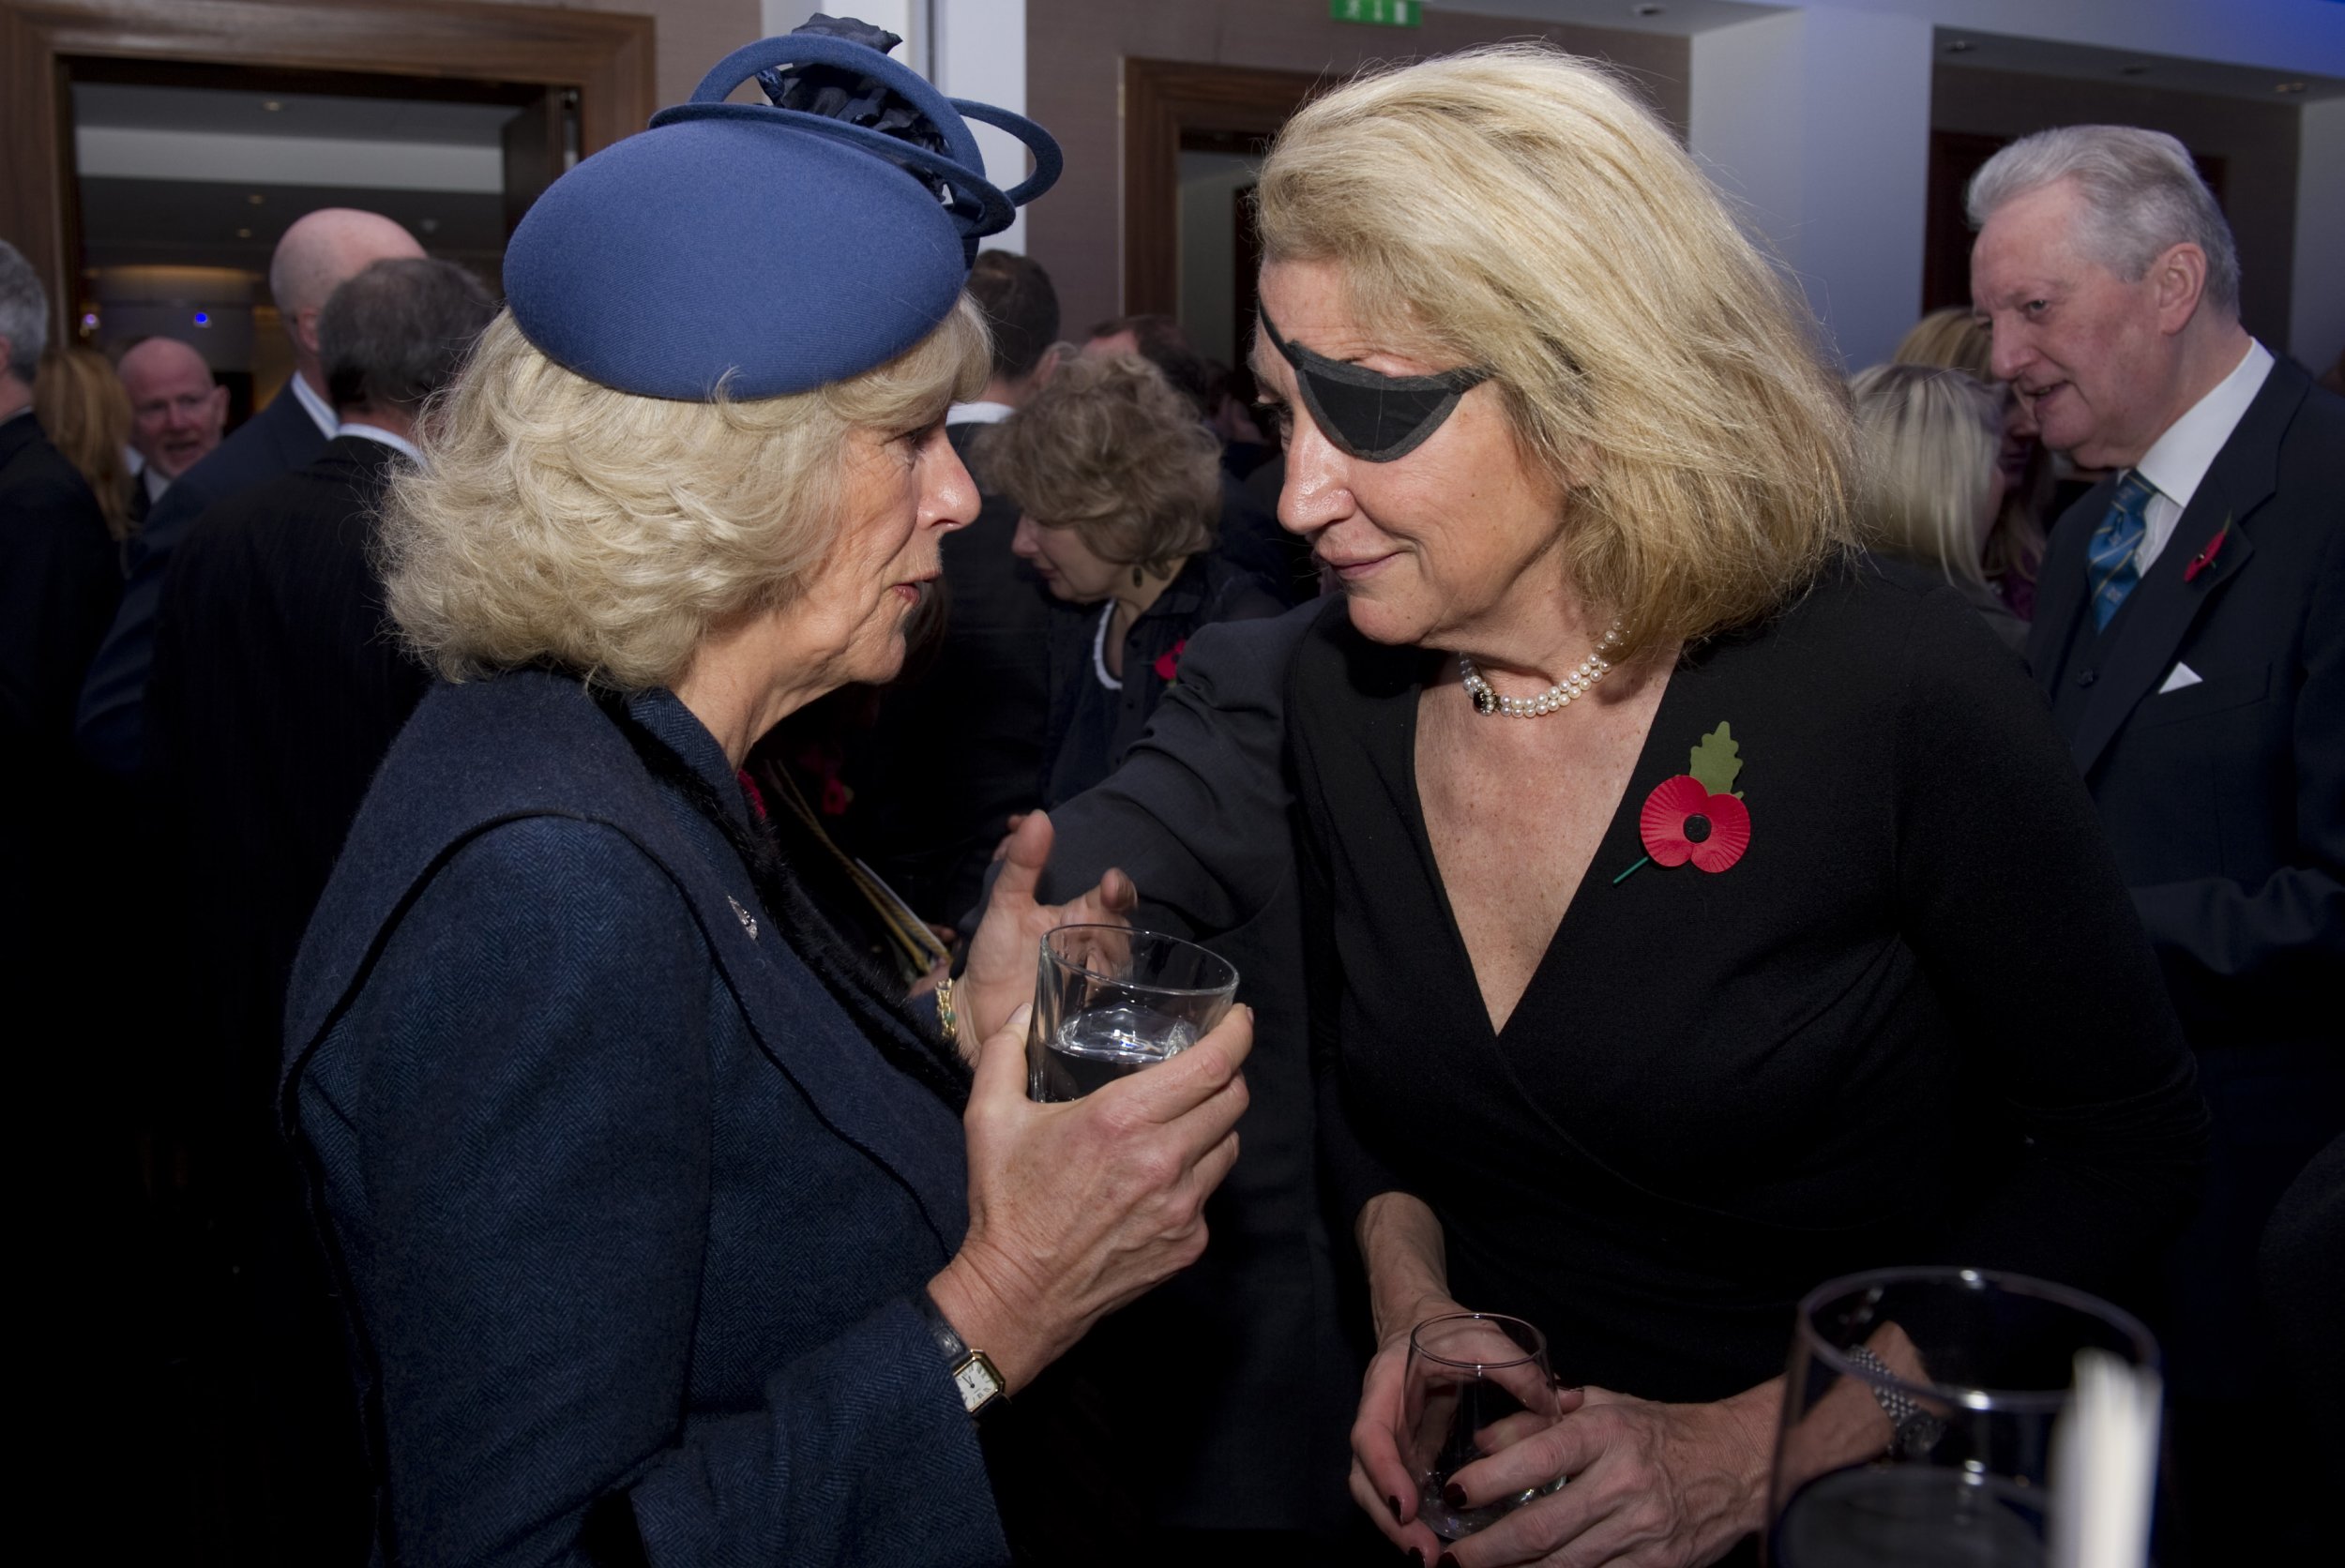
<point x="1393" y="1503"/>
<point x="1416" y="1556"/>
<point x="1454" y="1495"/>
<point x="1446" y="1561"/>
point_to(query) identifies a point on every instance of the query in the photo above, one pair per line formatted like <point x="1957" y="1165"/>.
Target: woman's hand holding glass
<point x="1076" y="1209"/>
<point x="1652" y="1485"/>
<point x="999" y="977"/>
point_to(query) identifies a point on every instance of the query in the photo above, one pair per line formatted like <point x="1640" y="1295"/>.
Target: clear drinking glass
<point x="1979" y="1368"/>
<point x="1476" y="1383"/>
<point x="1109" y="1001"/>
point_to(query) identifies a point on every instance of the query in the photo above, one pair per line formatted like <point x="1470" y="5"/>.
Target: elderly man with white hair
<point x="318" y="252"/>
<point x="2190" y="634"/>
<point x="177" y="412"/>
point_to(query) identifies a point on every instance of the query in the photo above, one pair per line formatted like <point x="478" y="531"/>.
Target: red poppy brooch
<point x="1697" y="816"/>
<point x="1168" y="665"/>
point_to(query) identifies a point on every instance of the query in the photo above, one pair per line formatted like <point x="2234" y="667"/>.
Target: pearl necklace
<point x="1592" y="670"/>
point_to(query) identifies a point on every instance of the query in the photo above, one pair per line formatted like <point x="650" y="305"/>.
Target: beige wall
<point x="693" y="35"/>
<point x="1075" y="51"/>
<point x="2257" y="143"/>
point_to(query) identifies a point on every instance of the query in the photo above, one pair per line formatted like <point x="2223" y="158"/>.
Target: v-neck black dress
<point x="1917" y="1022"/>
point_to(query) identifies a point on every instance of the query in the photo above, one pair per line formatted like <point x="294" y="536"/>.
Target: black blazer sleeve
<point x="1196" y="814"/>
<point x="2114" y="1131"/>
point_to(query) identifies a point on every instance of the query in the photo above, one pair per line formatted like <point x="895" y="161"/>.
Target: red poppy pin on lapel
<point x="2205" y="557"/>
<point x="1168" y="665"/>
<point x="1697" y="816"/>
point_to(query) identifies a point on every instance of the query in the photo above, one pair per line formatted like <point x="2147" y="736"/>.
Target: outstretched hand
<point x="1000" y="976"/>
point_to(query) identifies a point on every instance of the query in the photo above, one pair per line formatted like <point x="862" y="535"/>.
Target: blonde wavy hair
<point x="1519" y="209"/>
<point x="1953" y="338"/>
<point x="1929" y="441"/>
<point x="558" y="520"/>
<point x="1108" y="449"/>
<point x="87" y="414"/>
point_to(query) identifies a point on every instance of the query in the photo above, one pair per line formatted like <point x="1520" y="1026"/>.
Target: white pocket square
<point x="2181" y="676"/>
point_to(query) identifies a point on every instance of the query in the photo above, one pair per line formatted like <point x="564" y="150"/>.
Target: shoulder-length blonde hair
<point x="1953" y="338"/>
<point x="85" y="413"/>
<point x="1929" y="439"/>
<point x="1518" y="209"/>
<point x="556" y="520"/>
<point x="1108" y="449"/>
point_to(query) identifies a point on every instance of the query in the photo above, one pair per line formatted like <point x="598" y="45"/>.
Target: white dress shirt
<point x="376" y="432"/>
<point x="321" y="412"/>
<point x="2178" y="461"/>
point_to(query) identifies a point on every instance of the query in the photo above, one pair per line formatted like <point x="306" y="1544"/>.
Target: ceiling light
<point x="256" y="198"/>
<point x="1961" y="46"/>
<point x="244" y="234"/>
<point x="2289" y="87"/>
<point x="271" y="105"/>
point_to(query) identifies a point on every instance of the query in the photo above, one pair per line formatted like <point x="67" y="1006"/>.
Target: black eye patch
<point x="1365" y="413"/>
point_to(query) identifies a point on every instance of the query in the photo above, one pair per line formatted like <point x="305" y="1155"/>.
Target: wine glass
<point x="1928" y="1422"/>
<point x="1109" y="1001"/>
<point x="1476" y="1383"/>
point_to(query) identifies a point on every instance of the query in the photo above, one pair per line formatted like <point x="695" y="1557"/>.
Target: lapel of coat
<point x="2060" y="586"/>
<point x="2172" y="595"/>
<point x="809" y="1040"/>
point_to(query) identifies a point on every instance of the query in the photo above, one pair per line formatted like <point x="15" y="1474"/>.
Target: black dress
<point x="1917" y="1022"/>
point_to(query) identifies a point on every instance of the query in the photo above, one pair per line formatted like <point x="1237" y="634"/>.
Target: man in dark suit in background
<point x="2191" y="633"/>
<point x="58" y="579"/>
<point x="318" y="252"/>
<point x="928" y="810"/>
<point x="277" y="687"/>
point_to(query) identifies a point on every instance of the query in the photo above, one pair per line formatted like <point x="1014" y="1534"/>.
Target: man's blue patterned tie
<point x="2109" y="563"/>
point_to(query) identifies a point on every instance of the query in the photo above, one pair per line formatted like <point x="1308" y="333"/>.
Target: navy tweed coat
<point x="627" y="1210"/>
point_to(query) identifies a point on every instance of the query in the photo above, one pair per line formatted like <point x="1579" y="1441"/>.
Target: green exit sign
<point x="1378" y="13"/>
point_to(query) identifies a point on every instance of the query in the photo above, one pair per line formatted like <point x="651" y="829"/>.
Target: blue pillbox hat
<point x="769" y="249"/>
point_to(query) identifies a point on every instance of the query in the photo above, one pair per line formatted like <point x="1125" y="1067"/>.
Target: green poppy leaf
<point x="1717" y="761"/>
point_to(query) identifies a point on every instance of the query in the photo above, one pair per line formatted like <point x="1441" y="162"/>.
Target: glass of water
<point x="1109" y="1001"/>
<point x="1927" y="1413"/>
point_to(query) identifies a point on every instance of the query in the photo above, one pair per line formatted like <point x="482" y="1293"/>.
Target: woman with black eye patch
<point x="1689" y="920"/>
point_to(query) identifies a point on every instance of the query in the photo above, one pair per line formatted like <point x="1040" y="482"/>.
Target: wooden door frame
<point x="1162" y="99"/>
<point x="607" y="55"/>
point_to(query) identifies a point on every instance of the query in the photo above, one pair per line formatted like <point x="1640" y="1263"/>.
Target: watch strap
<point x="974" y="1377"/>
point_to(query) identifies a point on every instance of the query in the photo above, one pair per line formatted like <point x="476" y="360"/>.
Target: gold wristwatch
<point x="974" y="1375"/>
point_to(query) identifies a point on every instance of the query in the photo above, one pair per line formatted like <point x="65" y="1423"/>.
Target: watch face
<point x="977" y="1382"/>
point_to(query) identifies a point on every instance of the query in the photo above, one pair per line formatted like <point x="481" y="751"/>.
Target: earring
<point x="1138" y="580"/>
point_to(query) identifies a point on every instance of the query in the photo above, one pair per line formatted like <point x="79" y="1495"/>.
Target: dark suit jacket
<point x="58" y="585"/>
<point x="629" y="1212"/>
<point x="277" y="440"/>
<point x="2225" y="804"/>
<point x="2225" y="800"/>
<point x="277" y="688"/>
<point x="1196" y="813"/>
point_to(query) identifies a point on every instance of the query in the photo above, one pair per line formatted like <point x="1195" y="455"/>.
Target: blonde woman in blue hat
<point x="665" y="1231"/>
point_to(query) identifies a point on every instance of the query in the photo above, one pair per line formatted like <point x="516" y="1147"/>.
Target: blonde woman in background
<point x="1931" y="490"/>
<point x="1953" y="340"/>
<point x="87" y="414"/>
